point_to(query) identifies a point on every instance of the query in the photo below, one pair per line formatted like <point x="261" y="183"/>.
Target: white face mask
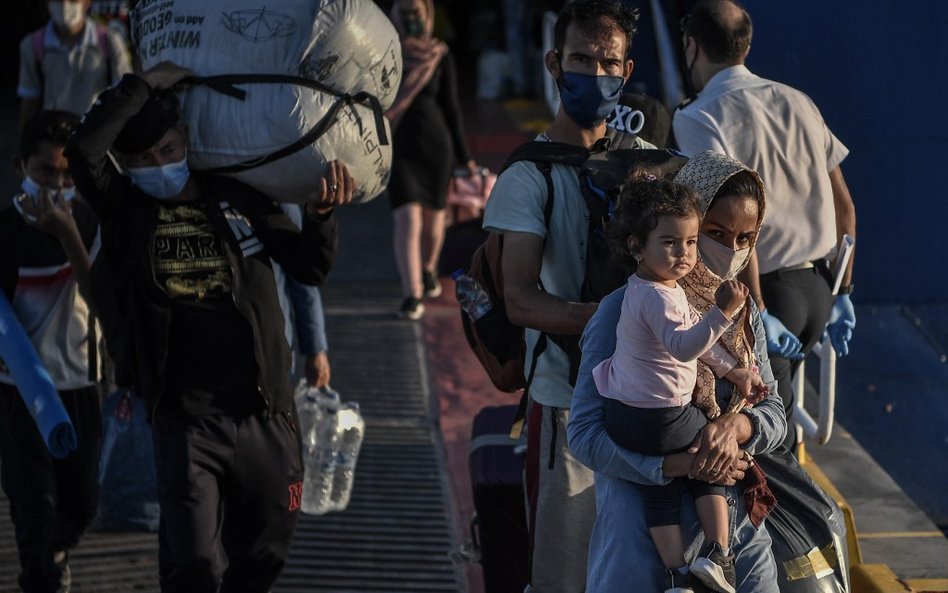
<point x="32" y="191"/>
<point x="67" y="15"/>
<point x="164" y="182"/>
<point x="720" y="259"/>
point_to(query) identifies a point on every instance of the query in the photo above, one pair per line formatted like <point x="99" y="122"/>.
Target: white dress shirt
<point x="778" y="131"/>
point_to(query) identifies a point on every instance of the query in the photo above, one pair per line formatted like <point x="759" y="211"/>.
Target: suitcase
<point x="496" y="465"/>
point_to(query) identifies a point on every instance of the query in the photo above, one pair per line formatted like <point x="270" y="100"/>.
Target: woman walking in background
<point x="429" y="141"/>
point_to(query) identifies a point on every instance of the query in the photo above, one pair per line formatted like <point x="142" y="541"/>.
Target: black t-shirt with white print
<point x="210" y="366"/>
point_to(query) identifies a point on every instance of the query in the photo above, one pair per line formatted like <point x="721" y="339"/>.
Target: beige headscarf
<point x="706" y="172"/>
<point x="420" y="56"/>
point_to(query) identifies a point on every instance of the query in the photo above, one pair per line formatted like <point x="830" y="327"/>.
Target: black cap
<point x="161" y="112"/>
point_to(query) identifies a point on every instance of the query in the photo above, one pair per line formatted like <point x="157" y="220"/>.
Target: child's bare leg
<point x="667" y="540"/>
<point x="713" y="515"/>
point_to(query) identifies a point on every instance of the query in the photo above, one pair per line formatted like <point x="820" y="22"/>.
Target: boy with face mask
<point x="45" y="242"/>
<point x="68" y="61"/>
<point x="590" y="64"/>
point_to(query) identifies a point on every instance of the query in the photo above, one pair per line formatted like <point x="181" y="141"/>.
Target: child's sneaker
<point x="715" y="570"/>
<point x="678" y="582"/>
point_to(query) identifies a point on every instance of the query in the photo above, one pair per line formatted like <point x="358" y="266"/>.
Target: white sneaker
<point x="715" y="570"/>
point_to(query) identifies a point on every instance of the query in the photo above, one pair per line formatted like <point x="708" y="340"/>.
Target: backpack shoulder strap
<point x="39" y="47"/>
<point x="38" y="39"/>
<point x="520" y="416"/>
<point x="547" y="169"/>
<point x="102" y="34"/>
<point x="544" y="155"/>
<point x="549" y="152"/>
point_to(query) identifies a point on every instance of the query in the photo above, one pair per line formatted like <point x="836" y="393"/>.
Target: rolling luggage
<point x="500" y="527"/>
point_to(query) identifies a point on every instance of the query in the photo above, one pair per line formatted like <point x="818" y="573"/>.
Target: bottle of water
<point x="319" y="458"/>
<point x="307" y="406"/>
<point x="311" y="403"/>
<point x="302" y="388"/>
<point x="474" y="300"/>
<point x="327" y="396"/>
<point x="351" y="433"/>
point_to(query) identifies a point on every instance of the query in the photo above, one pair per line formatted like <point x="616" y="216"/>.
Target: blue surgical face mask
<point x="164" y="182"/>
<point x="588" y="99"/>
<point x="32" y="189"/>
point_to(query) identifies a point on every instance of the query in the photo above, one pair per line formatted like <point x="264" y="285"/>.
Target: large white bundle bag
<point x="347" y="46"/>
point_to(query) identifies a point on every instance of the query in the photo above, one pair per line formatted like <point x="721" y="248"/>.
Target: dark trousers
<point x="802" y="301"/>
<point x="659" y="431"/>
<point x="52" y="501"/>
<point x="229" y="489"/>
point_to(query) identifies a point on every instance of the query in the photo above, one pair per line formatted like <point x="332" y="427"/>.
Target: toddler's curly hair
<point x="644" y="199"/>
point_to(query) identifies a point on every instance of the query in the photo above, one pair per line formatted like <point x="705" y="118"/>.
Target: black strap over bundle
<point x="224" y="84"/>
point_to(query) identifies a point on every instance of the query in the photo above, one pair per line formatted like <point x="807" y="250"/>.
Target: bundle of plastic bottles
<point x="332" y="434"/>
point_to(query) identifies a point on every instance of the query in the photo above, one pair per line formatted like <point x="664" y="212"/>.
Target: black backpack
<point x="497" y="342"/>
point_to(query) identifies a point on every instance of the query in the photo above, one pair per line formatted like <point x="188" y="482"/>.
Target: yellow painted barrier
<point x="928" y="585"/>
<point x="869" y="578"/>
<point x="876" y="578"/>
<point x="852" y="542"/>
<point x="879" y="578"/>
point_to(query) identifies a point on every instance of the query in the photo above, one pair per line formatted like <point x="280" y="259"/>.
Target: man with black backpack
<point x="538" y="206"/>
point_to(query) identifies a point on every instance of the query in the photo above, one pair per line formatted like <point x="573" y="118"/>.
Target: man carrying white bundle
<point x="190" y="257"/>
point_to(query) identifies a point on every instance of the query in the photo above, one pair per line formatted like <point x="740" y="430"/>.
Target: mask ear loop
<point x="689" y="85"/>
<point x="559" y="77"/>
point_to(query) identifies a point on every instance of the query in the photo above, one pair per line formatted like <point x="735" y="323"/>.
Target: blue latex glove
<point x="780" y="341"/>
<point x="840" y="326"/>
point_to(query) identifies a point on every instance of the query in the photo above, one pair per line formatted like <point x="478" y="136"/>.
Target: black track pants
<point x="229" y="488"/>
<point x="801" y="299"/>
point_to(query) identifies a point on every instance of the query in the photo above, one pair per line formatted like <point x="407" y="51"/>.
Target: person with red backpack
<point x="67" y="62"/>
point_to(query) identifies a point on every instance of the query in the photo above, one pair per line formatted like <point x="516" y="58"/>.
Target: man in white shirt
<point x="779" y="132"/>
